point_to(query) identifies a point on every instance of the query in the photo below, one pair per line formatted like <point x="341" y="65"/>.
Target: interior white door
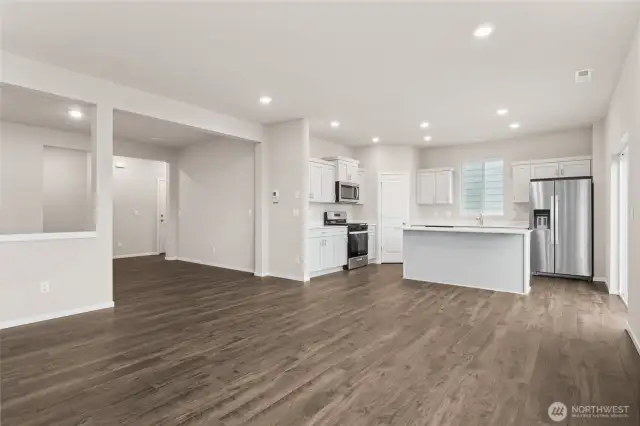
<point x="162" y="215"/>
<point x="394" y="214"/>
<point x="623" y="226"/>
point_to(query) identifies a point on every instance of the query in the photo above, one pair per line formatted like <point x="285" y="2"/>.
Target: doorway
<point x="623" y="224"/>
<point x="394" y="214"/>
<point x="161" y="215"/>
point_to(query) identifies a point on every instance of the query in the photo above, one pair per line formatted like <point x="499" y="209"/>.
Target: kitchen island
<point x="482" y="257"/>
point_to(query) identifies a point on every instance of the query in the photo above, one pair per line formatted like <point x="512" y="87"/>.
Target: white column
<point x="102" y="160"/>
<point x="174" y="207"/>
<point x="261" y="210"/>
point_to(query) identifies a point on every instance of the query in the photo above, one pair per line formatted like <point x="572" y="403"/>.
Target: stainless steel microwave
<point x="347" y="192"/>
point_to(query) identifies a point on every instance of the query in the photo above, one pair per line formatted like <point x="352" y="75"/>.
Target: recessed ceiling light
<point x="427" y="138"/>
<point x="514" y="125"/>
<point x="424" y="125"/>
<point x="375" y="140"/>
<point x="265" y="100"/>
<point x="483" y="31"/>
<point x="76" y="113"/>
<point x="502" y="111"/>
<point x="335" y="124"/>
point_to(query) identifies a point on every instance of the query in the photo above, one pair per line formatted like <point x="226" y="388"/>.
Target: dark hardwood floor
<point x="195" y="345"/>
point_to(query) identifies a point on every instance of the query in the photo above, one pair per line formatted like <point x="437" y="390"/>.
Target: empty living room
<point x="320" y="213"/>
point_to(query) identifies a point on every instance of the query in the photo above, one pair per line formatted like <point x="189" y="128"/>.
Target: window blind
<point x="483" y="188"/>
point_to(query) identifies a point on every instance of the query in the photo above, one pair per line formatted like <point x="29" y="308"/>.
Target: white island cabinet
<point x="481" y="257"/>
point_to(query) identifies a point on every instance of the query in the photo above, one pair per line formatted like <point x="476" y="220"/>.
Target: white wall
<point x="600" y="202"/>
<point x="623" y="117"/>
<point x="284" y="167"/>
<point x="67" y="192"/>
<point x="537" y="147"/>
<point x="320" y="148"/>
<point x="135" y="195"/>
<point x="384" y="159"/>
<point x="216" y="202"/>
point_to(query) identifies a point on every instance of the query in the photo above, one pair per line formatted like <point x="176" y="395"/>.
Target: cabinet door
<point x="520" y="179"/>
<point x="315" y="182"/>
<point x="360" y="182"/>
<point x="339" y="250"/>
<point x="327" y="257"/>
<point x="342" y="172"/>
<point x="328" y="184"/>
<point x="575" y="168"/>
<point x="372" y="245"/>
<point x="314" y="255"/>
<point x="426" y="188"/>
<point x="544" y="170"/>
<point x="444" y="187"/>
<point x="352" y="172"/>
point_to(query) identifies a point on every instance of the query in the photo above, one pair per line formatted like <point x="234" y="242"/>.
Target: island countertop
<point x="469" y="229"/>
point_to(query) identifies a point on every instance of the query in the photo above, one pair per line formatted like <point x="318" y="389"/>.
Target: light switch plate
<point x="296" y="212"/>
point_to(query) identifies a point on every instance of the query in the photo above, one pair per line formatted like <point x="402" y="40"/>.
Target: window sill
<point x="47" y="236"/>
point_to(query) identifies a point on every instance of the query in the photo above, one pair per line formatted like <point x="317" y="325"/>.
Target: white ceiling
<point x="378" y="68"/>
<point x="19" y="105"/>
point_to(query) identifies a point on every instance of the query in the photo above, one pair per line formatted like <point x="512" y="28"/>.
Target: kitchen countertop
<point x="469" y="229"/>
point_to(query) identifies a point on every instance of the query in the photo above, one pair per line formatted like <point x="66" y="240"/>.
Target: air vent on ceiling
<point x="583" y="76"/>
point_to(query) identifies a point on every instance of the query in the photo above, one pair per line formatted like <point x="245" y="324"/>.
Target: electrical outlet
<point x="119" y="244"/>
<point x="136" y="213"/>
<point x="296" y="212"/>
<point x="45" y="287"/>
<point x="213" y="249"/>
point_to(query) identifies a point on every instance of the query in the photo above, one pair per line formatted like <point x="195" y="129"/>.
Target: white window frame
<point x="465" y="213"/>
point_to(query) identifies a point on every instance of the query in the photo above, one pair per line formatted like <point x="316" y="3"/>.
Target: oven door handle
<point x="358" y="232"/>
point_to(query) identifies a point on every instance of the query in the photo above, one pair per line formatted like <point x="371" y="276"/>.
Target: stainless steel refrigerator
<point x="561" y="218"/>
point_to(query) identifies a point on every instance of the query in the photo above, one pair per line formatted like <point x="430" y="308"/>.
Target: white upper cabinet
<point x="321" y="181"/>
<point x="346" y="168"/>
<point x="444" y="187"/>
<point x="544" y="170"/>
<point x="435" y="186"/>
<point x="524" y="171"/>
<point x="426" y="188"/>
<point x="521" y="178"/>
<point x="575" y="168"/>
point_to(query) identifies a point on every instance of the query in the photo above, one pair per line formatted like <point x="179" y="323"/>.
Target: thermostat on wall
<point x="275" y="197"/>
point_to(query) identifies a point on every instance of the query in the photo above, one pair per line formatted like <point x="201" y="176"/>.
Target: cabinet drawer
<point x="322" y="232"/>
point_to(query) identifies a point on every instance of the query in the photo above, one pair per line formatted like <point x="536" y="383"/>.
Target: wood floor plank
<point x="195" y="345"/>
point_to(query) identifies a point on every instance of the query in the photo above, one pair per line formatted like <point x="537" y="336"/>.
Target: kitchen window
<point x="483" y="188"/>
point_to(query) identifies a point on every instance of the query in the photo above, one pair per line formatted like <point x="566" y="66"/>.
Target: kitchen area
<point x="536" y="219"/>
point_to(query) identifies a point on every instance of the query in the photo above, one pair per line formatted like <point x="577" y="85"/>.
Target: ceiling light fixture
<point x="375" y="140"/>
<point x="76" y="113"/>
<point x="514" y="125"/>
<point x="265" y="100"/>
<point x="427" y="138"/>
<point x="483" y="31"/>
<point x="502" y="111"/>
<point x="335" y="124"/>
<point x="424" y="125"/>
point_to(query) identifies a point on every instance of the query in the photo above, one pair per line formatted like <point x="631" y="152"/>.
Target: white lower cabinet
<point x="372" y="243"/>
<point x="327" y="250"/>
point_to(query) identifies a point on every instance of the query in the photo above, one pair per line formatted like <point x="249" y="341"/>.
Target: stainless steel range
<point x="358" y="238"/>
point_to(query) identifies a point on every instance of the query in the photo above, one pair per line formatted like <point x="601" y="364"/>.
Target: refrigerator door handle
<point x="555" y="224"/>
<point x="552" y="225"/>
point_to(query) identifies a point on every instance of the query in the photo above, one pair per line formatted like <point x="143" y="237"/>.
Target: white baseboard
<point x="264" y="274"/>
<point x="286" y="277"/>
<point x="171" y="258"/>
<point x="603" y="280"/>
<point x="125" y="256"/>
<point x="215" y="264"/>
<point x="53" y="315"/>
<point x="634" y="339"/>
<point x="325" y="272"/>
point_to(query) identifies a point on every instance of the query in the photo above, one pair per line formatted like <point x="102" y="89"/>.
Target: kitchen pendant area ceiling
<point x="379" y="69"/>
